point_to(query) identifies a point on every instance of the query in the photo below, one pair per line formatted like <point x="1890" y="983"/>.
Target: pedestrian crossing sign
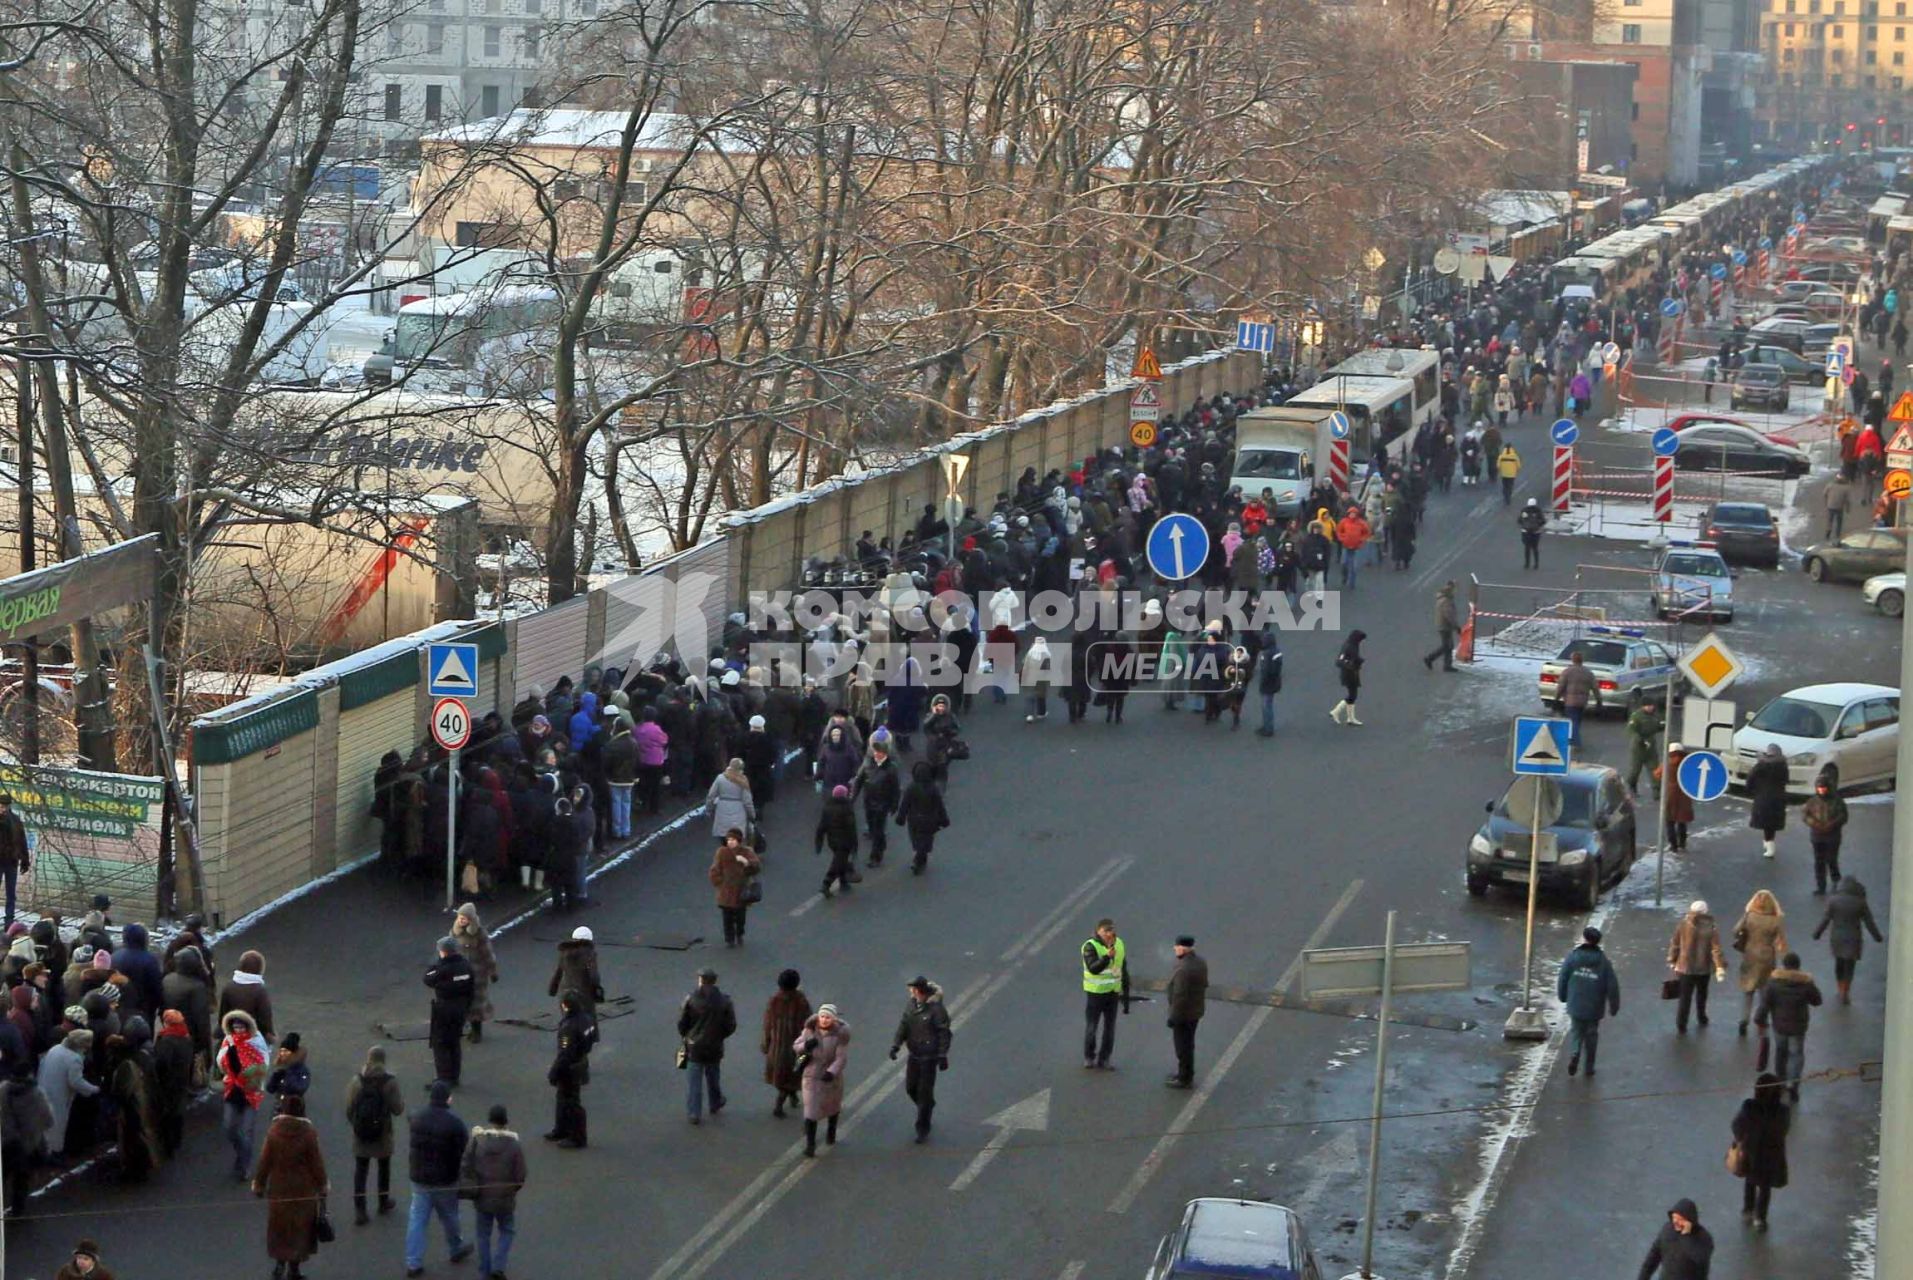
<point x="1540" y="746"/>
<point x="451" y="670"/>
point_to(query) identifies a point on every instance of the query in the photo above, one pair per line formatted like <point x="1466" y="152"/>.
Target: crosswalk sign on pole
<point x="451" y="670"/>
<point x="1540" y="746"/>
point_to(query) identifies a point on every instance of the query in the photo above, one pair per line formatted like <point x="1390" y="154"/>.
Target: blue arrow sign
<point x="1338" y="425"/>
<point x="1540" y="746"/>
<point x="1177" y="546"/>
<point x="1740" y="257"/>
<point x="1671" y="307"/>
<point x="1564" y="432"/>
<point x="451" y="670"/>
<point x="1702" y="775"/>
<point x="1251" y="336"/>
<point x="1800" y="213"/>
<point x="1718" y="271"/>
<point x="1667" y="442"/>
<point x="1766" y="242"/>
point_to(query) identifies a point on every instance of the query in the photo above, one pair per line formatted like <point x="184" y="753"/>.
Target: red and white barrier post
<point x="1338" y="464"/>
<point x="1664" y="490"/>
<point x="1563" y="475"/>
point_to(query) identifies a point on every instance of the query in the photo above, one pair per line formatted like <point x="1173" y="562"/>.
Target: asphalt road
<point x="1260" y="848"/>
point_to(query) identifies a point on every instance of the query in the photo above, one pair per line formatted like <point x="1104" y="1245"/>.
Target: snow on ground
<point x="1624" y="520"/>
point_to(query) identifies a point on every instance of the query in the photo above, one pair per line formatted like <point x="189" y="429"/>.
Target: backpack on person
<point x="369" y="1112"/>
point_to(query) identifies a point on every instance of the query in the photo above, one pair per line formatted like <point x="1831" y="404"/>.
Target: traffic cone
<point x="1465" y="647"/>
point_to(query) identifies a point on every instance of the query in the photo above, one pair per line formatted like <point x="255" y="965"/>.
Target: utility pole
<point x="29" y="649"/>
<point x="1896" y="1083"/>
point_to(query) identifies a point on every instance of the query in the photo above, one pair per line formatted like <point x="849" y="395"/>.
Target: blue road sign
<point x="1338" y="425"/>
<point x="1667" y="442"/>
<point x="1671" y="307"/>
<point x="1540" y="746"/>
<point x="1702" y="775"/>
<point x="1800" y="213"/>
<point x="1251" y="336"/>
<point x="1836" y="362"/>
<point x="1564" y="432"/>
<point x="1740" y="257"/>
<point x="1718" y="271"/>
<point x="1766" y="242"/>
<point x="1177" y="546"/>
<point x="451" y="670"/>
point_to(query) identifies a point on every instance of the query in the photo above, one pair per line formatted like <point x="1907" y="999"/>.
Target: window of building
<point x="488" y="100"/>
<point x="1813" y="6"/>
<point x="1899" y="59"/>
<point x="477" y="235"/>
<point x="1635" y="111"/>
<point x="1838" y="32"/>
<point x="1839" y="7"/>
<point x="1786" y="55"/>
<point x="1630" y="33"/>
<point x="434" y="101"/>
<point x="636" y="192"/>
<point x="531" y="39"/>
<point x="1836" y="80"/>
<point x="1839" y="55"/>
<point x="1899" y="33"/>
<point x="1790" y="33"/>
<point x="534" y="6"/>
<point x="1872" y="57"/>
<point x="394" y="101"/>
<point x="435" y="39"/>
<point x="1873" y="8"/>
<point x="1789" y="6"/>
<point x="394" y="37"/>
<point x="492" y="38"/>
<point x="1897" y="80"/>
<point x="435" y="6"/>
<point x="567" y="189"/>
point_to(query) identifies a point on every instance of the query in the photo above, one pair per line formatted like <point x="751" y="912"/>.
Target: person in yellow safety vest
<point x="1105" y="984"/>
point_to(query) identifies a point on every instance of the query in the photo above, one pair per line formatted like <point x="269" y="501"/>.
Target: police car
<point x="1691" y="580"/>
<point x="1623" y="661"/>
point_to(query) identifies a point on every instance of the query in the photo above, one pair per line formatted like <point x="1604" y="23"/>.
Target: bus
<point x="1592" y="274"/>
<point x="1380" y="411"/>
<point x="1419" y="366"/>
<point x="465" y="337"/>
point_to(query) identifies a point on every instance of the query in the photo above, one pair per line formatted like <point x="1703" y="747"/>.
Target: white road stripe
<point x="1091" y="885"/>
<point x="1186" y="1118"/>
<point x="1074" y="1270"/>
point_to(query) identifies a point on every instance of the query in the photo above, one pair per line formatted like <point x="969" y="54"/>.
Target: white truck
<point x="1282" y="449"/>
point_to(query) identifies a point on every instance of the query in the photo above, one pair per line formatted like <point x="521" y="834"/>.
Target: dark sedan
<point x="1593" y="846"/>
<point x="1760" y="386"/>
<point x="1724" y="447"/>
<point x="1744" y="533"/>
<point x="1856" y="557"/>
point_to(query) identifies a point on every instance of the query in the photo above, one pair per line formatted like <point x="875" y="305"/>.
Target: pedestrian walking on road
<point x="246" y="992"/>
<point x="1684" y="1250"/>
<point x="1531" y="522"/>
<point x="451" y="980"/>
<point x="1447" y="624"/>
<point x="823" y="1052"/>
<point x="1787" y="1002"/>
<point x="1643" y="742"/>
<point x="921" y="812"/>
<point x="1575" y="688"/>
<point x="475" y="944"/>
<point x="290" y="1077"/>
<point x="1760" y="1137"/>
<point x="879" y="788"/>
<point x="837" y="826"/>
<point x="924" y="1030"/>
<point x="1767" y="788"/>
<point x="291" y="1178"/>
<point x="1348" y="665"/>
<point x="1105" y="986"/>
<point x="493" y="1169"/>
<point x="242" y="1064"/>
<point x="578" y="969"/>
<point x="25" y="1120"/>
<point x="1837" y="498"/>
<point x="1590" y="989"/>
<point x="784" y="1016"/>
<point x="437" y="1152"/>
<point x="1678" y="804"/>
<point x="729" y="800"/>
<point x="63" y="1078"/>
<point x="1508" y="467"/>
<point x="1825" y="814"/>
<point x="1761" y="939"/>
<point x="733" y="864"/>
<point x="85" y="1264"/>
<point x="705" y="1021"/>
<point x="1694" y="955"/>
<point x="373" y="1104"/>
<point x="1268" y="677"/>
<point x="569" y="1074"/>
<point x="1188" y="1000"/>
<point x="1847" y="914"/>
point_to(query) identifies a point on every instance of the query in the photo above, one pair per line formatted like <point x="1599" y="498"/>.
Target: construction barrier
<point x="1563" y="476"/>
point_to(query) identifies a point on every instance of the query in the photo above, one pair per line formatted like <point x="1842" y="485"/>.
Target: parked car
<point x="1886" y="592"/>
<point x="1856" y="557"/>
<point x="1744" y="532"/>
<point x="1251" y="1239"/>
<point x="1692" y="582"/>
<point x="1854" y="726"/>
<point x="1722" y="447"/>
<point x="1594" y="840"/>
<point x="1624" y="662"/>
<point x="1687" y="420"/>
<point x="1794" y="290"/>
<point x="1760" y="386"/>
<point x="1796" y="367"/>
<point x="1816" y="341"/>
<point x="1778" y="330"/>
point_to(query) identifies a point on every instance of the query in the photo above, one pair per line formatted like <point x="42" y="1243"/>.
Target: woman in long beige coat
<point x="824" y="1048"/>
<point x="1761" y="939"/>
<point x="291" y="1175"/>
<point x="476" y="943"/>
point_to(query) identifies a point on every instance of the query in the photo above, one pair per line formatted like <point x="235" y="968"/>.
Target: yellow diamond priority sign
<point x="1710" y="666"/>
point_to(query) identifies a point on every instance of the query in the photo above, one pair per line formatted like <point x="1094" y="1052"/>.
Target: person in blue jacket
<point x="1591" y="990"/>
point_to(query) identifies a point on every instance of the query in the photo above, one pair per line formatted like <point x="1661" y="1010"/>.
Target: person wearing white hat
<point x="578" y="969"/>
<point x="1693" y="955"/>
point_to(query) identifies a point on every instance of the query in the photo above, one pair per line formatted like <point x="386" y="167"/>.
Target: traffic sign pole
<point x="1667" y="780"/>
<point x="451" y="831"/>
<point x="1375" y="1108"/>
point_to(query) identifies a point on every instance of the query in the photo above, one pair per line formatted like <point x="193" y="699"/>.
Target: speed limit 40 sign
<point x="451" y="723"/>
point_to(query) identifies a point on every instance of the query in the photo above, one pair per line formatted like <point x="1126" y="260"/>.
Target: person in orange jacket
<point x="1352" y="532"/>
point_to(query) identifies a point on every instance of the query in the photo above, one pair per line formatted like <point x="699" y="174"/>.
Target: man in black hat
<point x="925" y="1030"/>
<point x="453" y="983"/>
<point x="705" y="1022"/>
<point x="13" y="850"/>
<point x="1187" y="996"/>
<point x="1590" y="989"/>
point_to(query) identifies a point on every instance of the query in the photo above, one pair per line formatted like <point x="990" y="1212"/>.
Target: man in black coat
<point x="1187" y="996"/>
<point x="437" y="1149"/>
<point x="924" y="1029"/>
<point x="571" y="1070"/>
<point x="14" y="859"/>
<point x="706" y="1020"/>
<point x="879" y="787"/>
<point x="837" y="827"/>
<point x="1683" y="1250"/>
<point x="452" y="983"/>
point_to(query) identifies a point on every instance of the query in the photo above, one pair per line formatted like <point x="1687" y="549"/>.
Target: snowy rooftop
<point x="570" y="127"/>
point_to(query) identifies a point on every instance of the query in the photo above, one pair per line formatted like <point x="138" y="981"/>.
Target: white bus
<point x="1420" y="366"/>
<point x="1381" y="410"/>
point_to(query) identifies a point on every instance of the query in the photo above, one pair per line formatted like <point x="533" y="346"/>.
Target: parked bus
<point x="1380" y="411"/>
<point x="1419" y="366"/>
<point x="465" y="337"/>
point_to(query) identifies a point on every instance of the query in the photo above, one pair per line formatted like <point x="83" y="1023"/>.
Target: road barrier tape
<point x="1586" y="622"/>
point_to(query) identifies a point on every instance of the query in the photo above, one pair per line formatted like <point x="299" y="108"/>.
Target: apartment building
<point x="1836" y="72"/>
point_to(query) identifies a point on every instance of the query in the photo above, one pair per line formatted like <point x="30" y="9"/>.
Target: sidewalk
<point x="1652" y="1127"/>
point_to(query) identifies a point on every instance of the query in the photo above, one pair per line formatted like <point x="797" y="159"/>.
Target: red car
<point x="1687" y="420"/>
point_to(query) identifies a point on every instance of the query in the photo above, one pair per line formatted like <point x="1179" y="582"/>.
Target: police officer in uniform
<point x="1105" y="984"/>
<point x="452" y="983"/>
<point x="571" y="1070"/>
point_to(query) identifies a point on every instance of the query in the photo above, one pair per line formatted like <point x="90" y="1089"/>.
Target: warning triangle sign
<point x="1902" y="441"/>
<point x="452" y="672"/>
<point x="1147" y="365"/>
<point x="1145" y="397"/>
<point x="1902" y="408"/>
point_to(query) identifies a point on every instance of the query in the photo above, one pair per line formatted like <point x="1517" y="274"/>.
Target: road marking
<point x="1032" y="1113"/>
<point x="1094" y="884"/>
<point x="1477" y="529"/>
<point x="1074" y="1270"/>
<point x="1523" y="1092"/>
<point x="780" y="1177"/>
<point x="1186" y="1118"/>
<point x="806" y="905"/>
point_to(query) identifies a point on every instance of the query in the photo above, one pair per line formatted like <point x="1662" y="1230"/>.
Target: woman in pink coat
<point x="823" y="1047"/>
